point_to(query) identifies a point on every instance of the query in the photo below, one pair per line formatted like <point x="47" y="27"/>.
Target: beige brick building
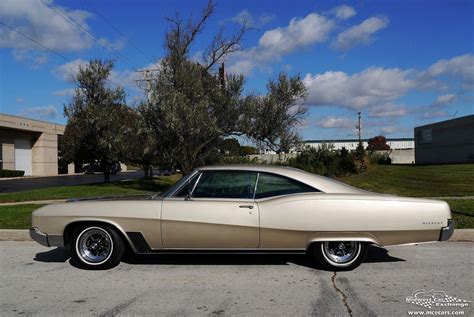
<point x="29" y="145"/>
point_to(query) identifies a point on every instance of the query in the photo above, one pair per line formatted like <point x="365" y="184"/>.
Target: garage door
<point x="23" y="156"/>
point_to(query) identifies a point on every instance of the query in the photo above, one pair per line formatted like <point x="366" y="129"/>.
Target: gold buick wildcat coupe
<point x="243" y="208"/>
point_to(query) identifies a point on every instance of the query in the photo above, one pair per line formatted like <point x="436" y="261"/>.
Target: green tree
<point x="230" y="146"/>
<point x="96" y="113"/>
<point x="271" y="119"/>
<point x="360" y="158"/>
<point x="140" y="146"/>
<point x="191" y="109"/>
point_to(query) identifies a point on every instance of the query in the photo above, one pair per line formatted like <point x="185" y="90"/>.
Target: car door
<point x="215" y="209"/>
<point x="282" y="212"/>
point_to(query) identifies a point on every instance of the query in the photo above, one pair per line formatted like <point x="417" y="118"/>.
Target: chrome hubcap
<point x="94" y="245"/>
<point x="341" y="251"/>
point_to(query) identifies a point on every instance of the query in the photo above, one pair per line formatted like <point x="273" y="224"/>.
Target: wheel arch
<point x="341" y="236"/>
<point x="69" y="228"/>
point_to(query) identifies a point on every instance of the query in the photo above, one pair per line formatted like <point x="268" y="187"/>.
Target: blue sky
<point x="401" y="63"/>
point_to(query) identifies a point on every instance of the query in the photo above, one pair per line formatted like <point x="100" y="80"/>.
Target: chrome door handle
<point x="246" y="206"/>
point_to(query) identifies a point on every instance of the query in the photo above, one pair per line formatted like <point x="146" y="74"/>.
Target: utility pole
<point x="222" y="74"/>
<point x="144" y="83"/>
<point x="358" y="126"/>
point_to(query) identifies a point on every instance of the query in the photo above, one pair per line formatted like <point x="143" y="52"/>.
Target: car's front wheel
<point x="339" y="255"/>
<point x="96" y="247"/>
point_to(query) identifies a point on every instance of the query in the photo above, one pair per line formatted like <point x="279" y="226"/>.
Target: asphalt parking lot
<point x="38" y="280"/>
<point x="27" y="183"/>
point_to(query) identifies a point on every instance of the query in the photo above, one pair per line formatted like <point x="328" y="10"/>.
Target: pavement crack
<point x="118" y="308"/>
<point x="344" y="296"/>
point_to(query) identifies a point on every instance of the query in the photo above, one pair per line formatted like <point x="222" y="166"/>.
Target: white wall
<point x="351" y="145"/>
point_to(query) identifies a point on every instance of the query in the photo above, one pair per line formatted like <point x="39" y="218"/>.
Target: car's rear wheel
<point x="96" y="247"/>
<point x="339" y="255"/>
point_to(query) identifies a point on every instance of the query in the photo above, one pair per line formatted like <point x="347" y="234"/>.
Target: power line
<point x="36" y="42"/>
<point x="52" y="51"/>
<point x="75" y="24"/>
<point x="118" y="31"/>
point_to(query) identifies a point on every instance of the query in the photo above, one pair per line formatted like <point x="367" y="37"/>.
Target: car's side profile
<point x="244" y="208"/>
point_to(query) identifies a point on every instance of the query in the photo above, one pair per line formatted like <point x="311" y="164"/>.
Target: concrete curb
<point x="61" y="175"/>
<point x="34" y="202"/>
<point x="460" y="235"/>
<point x="15" y="235"/>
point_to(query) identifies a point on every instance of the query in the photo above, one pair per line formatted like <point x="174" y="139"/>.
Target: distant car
<point x="95" y="168"/>
<point x="244" y="208"/>
<point x="166" y="171"/>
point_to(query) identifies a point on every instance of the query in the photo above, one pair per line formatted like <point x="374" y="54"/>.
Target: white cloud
<point x="444" y="100"/>
<point x="389" y="129"/>
<point x="344" y="12"/>
<point x="244" y="17"/>
<point x="68" y="71"/>
<point x="461" y="67"/>
<point x="64" y="92"/>
<point x="370" y="87"/>
<point x="387" y="110"/>
<point x="433" y="113"/>
<point x="35" y="20"/>
<point x="437" y="109"/>
<point x="376" y="90"/>
<point x="20" y="100"/>
<point x="49" y="112"/>
<point x="361" y="34"/>
<point x="125" y="78"/>
<point x="275" y="43"/>
<point x="34" y="59"/>
<point x="332" y="122"/>
<point x="313" y="28"/>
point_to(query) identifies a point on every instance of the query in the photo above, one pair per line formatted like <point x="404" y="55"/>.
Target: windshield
<point x="181" y="182"/>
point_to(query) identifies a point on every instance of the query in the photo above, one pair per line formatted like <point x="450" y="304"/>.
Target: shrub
<point x="324" y="161"/>
<point x="361" y="159"/>
<point x="379" y="158"/>
<point x="11" y="173"/>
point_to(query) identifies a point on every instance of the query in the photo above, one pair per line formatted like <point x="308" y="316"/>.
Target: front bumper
<point x="45" y="239"/>
<point x="447" y="232"/>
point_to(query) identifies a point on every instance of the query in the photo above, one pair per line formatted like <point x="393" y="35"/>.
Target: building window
<point x="425" y="136"/>
<point x="1" y="156"/>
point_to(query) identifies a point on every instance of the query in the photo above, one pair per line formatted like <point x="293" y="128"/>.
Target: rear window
<point x="270" y="185"/>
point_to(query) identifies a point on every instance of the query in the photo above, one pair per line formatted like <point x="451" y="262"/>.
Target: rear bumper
<point x="447" y="232"/>
<point x="45" y="239"/>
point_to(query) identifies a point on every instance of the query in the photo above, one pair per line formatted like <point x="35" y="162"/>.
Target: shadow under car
<point x="375" y="255"/>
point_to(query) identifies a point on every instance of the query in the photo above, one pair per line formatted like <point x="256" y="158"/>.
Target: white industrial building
<point x="351" y="144"/>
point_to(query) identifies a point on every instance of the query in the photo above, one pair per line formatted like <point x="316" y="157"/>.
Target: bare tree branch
<point x="221" y="47"/>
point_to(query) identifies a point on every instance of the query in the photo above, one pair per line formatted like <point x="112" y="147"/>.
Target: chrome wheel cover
<point x="94" y="245"/>
<point x="341" y="253"/>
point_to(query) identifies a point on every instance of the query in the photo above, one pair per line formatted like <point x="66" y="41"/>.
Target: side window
<point x="188" y="187"/>
<point x="226" y="184"/>
<point x="270" y="185"/>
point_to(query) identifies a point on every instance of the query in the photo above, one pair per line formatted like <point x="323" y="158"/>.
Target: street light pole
<point x="358" y="126"/>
